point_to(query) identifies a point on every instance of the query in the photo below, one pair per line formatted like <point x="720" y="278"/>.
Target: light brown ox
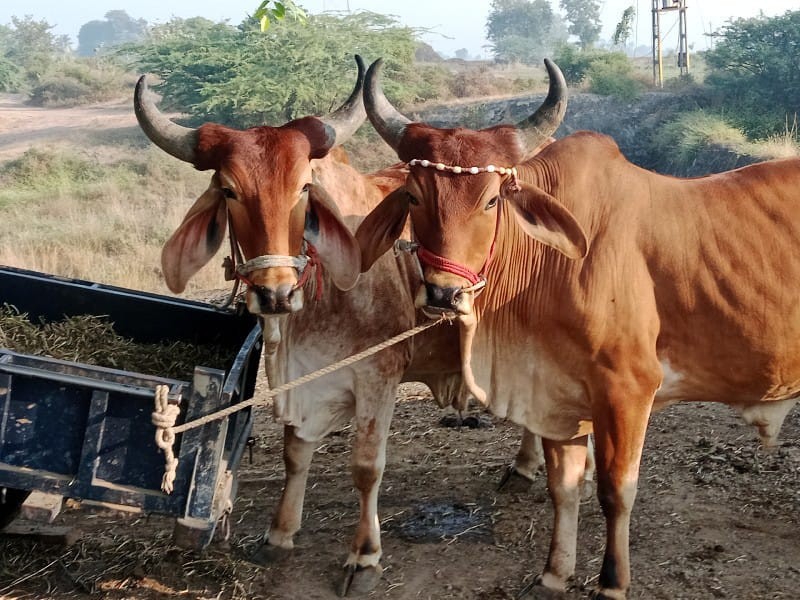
<point x="278" y="183"/>
<point x="611" y="291"/>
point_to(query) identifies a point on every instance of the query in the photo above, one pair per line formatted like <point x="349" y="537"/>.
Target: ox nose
<point x="274" y="299"/>
<point x="446" y="298"/>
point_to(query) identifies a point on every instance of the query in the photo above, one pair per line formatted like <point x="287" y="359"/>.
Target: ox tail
<point x="468" y="324"/>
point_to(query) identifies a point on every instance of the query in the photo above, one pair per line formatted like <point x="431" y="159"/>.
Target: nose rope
<point x="440" y="263"/>
<point x="302" y="263"/>
<point x="312" y="260"/>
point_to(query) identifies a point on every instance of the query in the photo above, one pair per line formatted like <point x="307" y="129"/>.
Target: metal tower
<point x="659" y="7"/>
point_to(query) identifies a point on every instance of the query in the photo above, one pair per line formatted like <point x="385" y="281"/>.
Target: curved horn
<point x="172" y="138"/>
<point x="346" y="119"/>
<point x="385" y="118"/>
<point x="544" y="122"/>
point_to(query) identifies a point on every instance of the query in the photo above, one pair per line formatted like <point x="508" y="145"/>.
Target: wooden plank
<point x="41" y="507"/>
<point x="42" y="532"/>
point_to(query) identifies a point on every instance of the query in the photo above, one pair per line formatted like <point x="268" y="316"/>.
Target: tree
<point x="584" y="20"/>
<point x="31" y="47"/>
<point x="523" y="31"/>
<point x="755" y="70"/>
<point x="117" y="28"/>
<point x="625" y="26"/>
<point x="242" y="77"/>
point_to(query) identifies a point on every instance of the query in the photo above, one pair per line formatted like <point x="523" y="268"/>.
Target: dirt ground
<point x="716" y="515"/>
<point x="22" y="127"/>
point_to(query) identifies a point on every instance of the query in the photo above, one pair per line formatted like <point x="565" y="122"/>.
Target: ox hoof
<point x="359" y="580"/>
<point x="535" y="590"/>
<point x="514" y="482"/>
<point x="268" y="554"/>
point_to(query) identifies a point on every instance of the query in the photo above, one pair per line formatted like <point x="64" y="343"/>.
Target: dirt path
<point x="22" y="127"/>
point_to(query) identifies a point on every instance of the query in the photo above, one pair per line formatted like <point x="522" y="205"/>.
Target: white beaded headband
<point x="463" y="170"/>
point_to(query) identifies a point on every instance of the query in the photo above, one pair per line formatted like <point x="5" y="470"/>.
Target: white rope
<point x="164" y="417"/>
<point x="166" y="414"/>
<point x="272" y="260"/>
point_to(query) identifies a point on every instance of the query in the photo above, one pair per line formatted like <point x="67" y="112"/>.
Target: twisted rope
<point x="165" y="416"/>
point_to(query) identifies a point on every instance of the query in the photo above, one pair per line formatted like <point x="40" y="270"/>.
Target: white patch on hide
<point x="767" y="417"/>
<point x="672" y="388"/>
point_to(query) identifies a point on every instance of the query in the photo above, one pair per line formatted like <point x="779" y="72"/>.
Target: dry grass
<point x="91" y="339"/>
<point x="782" y="145"/>
<point x="83" y="215"/>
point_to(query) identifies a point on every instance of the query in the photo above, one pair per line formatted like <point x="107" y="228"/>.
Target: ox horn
<point x="543" y="123"/>
<point x="385" y="118"/>
<point x="346" y="119"/>
<point x="172" y="138"/>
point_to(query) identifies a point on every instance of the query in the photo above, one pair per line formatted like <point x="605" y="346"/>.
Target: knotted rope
<point x="163" y="418"/>
<point x="166" y="414"/>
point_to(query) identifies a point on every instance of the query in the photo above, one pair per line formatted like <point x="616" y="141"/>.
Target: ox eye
<point x="412" y="199"/>
<point x="306" y="188"/>
<point x="492" y="203"/>
<point x="228" y="193"/>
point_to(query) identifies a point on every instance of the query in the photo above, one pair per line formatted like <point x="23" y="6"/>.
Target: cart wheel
<point x="11" y="500"/>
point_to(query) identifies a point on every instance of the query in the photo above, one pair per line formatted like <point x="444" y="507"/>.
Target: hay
<point x="91" y="339"/>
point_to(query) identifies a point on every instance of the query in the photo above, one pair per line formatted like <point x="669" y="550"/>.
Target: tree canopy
<point x="27" y="49"/>
<point x="117" y="28"/>
<point x="584" y="20"/>
<point x="243" y="77"/>
<point x="523" y="30"/>
<point x="755" y="69"/>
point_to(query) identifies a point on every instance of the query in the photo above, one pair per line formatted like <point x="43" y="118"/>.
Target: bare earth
<point x="716" y="516"/>
<point x="22" y="127"/>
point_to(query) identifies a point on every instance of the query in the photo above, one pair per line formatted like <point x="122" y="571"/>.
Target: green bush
<point x="243" y="77"/>
<point x="680" y="141"/>
<point x="754" y="71"/>
<point x="611" y="74"/>
<point x="607" y="73"/>
<point x="574" y="62"/>
<point x="12" y="78"/>
<point x="74" y="82"/>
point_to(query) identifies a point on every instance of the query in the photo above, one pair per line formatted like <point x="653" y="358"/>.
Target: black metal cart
<point x="85" y="432"/>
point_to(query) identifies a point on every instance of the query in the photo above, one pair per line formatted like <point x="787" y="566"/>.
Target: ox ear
<point x="336" y="246"/>
<point x="545" y="219"/>
<point x="381" y="227"/>
<point x="196" y="240"/>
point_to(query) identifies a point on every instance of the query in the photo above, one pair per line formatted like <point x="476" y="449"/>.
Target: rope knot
<point x="164" y="417"/>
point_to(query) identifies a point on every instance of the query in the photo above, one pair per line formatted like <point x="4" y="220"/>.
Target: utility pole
<point x="660" y="7"/>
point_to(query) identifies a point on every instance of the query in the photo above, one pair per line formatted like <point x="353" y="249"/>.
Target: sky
<point x="453" y="24"/>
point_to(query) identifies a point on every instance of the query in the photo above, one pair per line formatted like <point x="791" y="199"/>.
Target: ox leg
<point x="528" y="461"/>
<point x="565" y="464"/>
<point x="363" y="570"/>
<point x="589" y="471"/>
<point x="619" y="429"/>
<point x="297" y="454"/>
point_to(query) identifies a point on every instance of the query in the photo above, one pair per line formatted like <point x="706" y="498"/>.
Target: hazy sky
<point x="455" y="24"/>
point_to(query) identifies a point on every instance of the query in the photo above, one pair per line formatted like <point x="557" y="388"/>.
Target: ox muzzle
<point x="278" y="296"/>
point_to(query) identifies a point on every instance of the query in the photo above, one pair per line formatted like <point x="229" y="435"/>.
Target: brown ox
<point x="277" y="184"/>
<point x="610" y="291"/>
